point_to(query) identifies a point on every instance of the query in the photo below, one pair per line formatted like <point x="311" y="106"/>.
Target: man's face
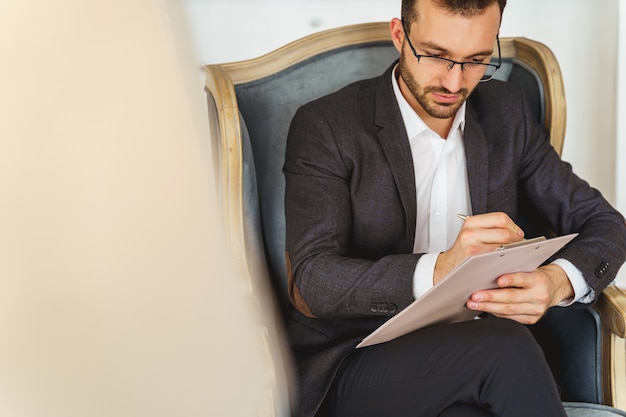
<point x="437" y="101"/>
<point x="438" y="94"/>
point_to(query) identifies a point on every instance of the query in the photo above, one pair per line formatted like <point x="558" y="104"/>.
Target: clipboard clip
<point x="522" y="243"/>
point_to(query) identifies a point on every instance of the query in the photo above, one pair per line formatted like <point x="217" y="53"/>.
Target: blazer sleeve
<point x="327" y="278"/>
<point x="571" y="205"/>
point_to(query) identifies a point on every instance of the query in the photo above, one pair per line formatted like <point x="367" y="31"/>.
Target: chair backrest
<point x="255" y="100"/>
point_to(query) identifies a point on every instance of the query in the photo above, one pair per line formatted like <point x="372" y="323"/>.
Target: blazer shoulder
<point x="495" y="92"/>
<point x="361" y="91"/>
<point x="506" y="101"/>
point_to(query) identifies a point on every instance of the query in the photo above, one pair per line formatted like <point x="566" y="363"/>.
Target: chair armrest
<point x="612" y="308"/>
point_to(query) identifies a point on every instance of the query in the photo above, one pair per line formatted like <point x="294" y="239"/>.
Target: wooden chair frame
<point x="221" y="81"/>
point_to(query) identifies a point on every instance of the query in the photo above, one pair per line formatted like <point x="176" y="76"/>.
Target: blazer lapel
<point x="477" y="160"/>
<point x="395" y="145"/>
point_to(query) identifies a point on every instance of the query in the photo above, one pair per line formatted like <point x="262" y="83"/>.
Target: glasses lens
<point x="475" y="72"/>
<point x="479" y="72"/>
<point x="434" y="64"/>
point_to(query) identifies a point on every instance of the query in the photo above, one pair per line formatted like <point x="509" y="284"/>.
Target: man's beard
<point x="437" y="110"/>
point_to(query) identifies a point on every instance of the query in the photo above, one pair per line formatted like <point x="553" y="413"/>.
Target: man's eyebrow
<point x="434" y="47"/>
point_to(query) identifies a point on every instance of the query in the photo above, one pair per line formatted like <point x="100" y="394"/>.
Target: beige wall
<point x="113" y="281"/>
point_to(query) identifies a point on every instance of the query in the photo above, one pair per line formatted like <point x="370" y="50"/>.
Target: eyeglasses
<point x="476" y="71"/>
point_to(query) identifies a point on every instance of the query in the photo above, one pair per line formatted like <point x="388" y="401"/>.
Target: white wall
<point x="230" y="30"/>
<point x="621" y="121"/>
<point x="621" y="110"/>
<point x="582" y="34"/>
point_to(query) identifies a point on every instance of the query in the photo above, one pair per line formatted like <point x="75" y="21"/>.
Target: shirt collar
<point x="412" y="122"/>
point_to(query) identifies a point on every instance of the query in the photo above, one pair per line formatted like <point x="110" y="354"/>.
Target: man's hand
<point x="524" y="297"/>
<point x="480" y="233"/>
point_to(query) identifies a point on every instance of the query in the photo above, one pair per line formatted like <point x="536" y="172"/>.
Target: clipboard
<point x="445" y="302"/>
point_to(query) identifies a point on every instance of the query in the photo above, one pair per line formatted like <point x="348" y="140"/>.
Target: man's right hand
<point x="480" y="233"/>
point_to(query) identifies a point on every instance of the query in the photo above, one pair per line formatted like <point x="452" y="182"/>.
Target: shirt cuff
<point x="423" y="275"/>
<point x="583" y="293"/>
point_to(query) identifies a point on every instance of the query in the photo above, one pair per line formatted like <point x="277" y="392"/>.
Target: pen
<point x="510" y="245"/>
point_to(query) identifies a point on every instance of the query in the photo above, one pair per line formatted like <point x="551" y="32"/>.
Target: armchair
<point x="253" y="102"/>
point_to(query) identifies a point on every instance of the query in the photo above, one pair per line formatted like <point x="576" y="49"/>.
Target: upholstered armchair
<point x="253" y="102"/>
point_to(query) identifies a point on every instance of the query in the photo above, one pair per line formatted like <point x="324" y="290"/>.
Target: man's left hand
<point x="524" y="297"/>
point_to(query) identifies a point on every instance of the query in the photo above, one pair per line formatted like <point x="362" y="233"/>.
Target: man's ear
<point x="397" y="33"/>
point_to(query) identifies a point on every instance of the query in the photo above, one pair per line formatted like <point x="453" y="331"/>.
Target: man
<point x="376" y="174"/>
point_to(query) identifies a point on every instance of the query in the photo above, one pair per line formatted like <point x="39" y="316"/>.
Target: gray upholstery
<point x="268" y="105"/>
<point x="591" y="410"/>
<point x="570" y="337"/>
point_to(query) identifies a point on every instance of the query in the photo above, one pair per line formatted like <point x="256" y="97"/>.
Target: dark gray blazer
<point x="350" y="212"/>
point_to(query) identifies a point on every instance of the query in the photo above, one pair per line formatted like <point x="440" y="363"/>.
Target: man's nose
<point x="452" y="80"/>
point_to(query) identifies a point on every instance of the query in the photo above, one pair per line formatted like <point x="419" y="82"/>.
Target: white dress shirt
<point x="442" y="191"/>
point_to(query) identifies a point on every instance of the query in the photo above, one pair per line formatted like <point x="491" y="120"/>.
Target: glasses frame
<point x="452" y="63"/>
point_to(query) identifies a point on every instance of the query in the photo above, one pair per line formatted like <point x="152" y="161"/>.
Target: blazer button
<point x="602" y="269"/>
<point x="383" y="308"/>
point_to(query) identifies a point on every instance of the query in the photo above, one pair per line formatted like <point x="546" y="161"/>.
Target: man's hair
<point x="466" y="8"/>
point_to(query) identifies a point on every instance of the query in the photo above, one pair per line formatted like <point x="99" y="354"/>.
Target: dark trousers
<point x="487" y="367"/>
